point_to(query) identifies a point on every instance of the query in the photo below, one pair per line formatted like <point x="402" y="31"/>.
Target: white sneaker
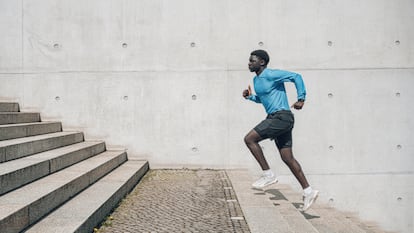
<point x="265" y="181"/>
<point x="309" y="199"/>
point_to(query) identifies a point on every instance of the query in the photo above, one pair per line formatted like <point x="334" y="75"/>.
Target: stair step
<point x="324" y="218"/>
<point x="338" y="220"/>
<point x="9" y="107"/>
<point x="291" y="213"/>
<point x="28" y="204"/>
<point x="90" y="207"/>
<point x="259" y="212"/>
<point x="12" y="131"/>
<point x="21" y="147"/>
<point x="368" y="227"/>
<point x="19" y="172"/>
<point x="18" y="117"/>
<point x="259" y="205"/>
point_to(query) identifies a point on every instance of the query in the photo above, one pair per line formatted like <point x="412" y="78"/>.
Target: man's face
<point x="255" y="63"/>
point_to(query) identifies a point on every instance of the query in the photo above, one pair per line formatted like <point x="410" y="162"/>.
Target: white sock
<point x="308" y="190"/>
<point x="268" y="173"/>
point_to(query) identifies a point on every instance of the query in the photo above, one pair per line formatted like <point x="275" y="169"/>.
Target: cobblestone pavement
<point x="179" y="201"/>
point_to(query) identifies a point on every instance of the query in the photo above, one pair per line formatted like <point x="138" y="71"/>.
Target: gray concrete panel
<point x="11" y="41"/>
<point x="61" y="35"/>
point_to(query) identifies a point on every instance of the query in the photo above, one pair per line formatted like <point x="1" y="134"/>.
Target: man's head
<point x="258" y="60"/>
<point x="262" y="55"/>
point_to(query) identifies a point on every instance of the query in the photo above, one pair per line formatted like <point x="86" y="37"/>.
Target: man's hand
<point x="298" y="105"/>
<point x="247" y="92"/>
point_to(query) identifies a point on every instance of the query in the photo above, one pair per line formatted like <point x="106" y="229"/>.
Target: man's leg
<point x="294" y="166"/>
<point x="309" y="195"/>
<point x="252" y="140"/>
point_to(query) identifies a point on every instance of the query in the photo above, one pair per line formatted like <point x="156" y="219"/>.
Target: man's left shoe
<point x="265" y="181"/>
<point x="309" y="199"/>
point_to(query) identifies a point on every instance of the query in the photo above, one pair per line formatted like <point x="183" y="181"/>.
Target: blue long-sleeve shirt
<point x="270" y="89"/>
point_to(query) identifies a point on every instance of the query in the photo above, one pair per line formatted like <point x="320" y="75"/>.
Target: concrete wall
<point x="164" y="79"/>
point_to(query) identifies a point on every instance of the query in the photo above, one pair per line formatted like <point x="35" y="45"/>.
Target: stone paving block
<point x="186" y="201"/>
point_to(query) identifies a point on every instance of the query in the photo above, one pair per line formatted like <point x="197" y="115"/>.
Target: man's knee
<point x="252" y="138"/>
<point x="287" y="155"/>
<point x="248" y="140"/>
<point x="287" y="160"/>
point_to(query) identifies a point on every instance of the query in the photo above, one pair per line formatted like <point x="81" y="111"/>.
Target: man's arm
<point x="254" y="98"/>
<point x="287" y="76"/>
<point x="301" y="91"/>
<point x="299" y="104"/>
<point x="247" y="94"/>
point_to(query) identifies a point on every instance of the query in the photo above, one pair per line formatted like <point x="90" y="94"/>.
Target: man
<point x="270" y="91"/>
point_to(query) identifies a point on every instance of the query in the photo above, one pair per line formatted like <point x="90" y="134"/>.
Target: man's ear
<point x="262" y="62"/>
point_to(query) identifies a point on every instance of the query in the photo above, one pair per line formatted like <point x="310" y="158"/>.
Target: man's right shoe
<point x="264" y="181"/>
<point x="309" y="199"/>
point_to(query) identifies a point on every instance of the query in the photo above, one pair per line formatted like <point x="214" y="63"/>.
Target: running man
<point x="270" y="92"/>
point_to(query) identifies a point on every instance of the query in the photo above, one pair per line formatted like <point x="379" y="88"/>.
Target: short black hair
<point x="261" y="54"/>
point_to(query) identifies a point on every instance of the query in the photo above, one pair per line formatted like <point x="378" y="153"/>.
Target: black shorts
<point x="277" y="126"/>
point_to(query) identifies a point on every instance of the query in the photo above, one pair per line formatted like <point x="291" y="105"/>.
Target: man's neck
<point x="260" y="71"/>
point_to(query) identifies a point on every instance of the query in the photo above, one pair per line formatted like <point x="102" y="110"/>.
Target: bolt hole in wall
<point x="330" y="43"/>
<point x="193" y="97"/>
<point x="397" y="42"/>
<point x="124" y="45"/>
<point x="57" y="98"/>
<point x="192" y="44"/>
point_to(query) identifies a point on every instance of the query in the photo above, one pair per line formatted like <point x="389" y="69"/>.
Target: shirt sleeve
<point x="287" y="76"/>
<point x="254" y="98"/>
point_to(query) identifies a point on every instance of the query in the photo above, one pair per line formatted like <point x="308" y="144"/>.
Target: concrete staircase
<point x="55" y="181"/>
<point x="276" y="209"/>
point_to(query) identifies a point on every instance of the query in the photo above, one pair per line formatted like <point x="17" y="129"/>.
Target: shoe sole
<point x="260" y="187"/>
<point x="313" y="201"/>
